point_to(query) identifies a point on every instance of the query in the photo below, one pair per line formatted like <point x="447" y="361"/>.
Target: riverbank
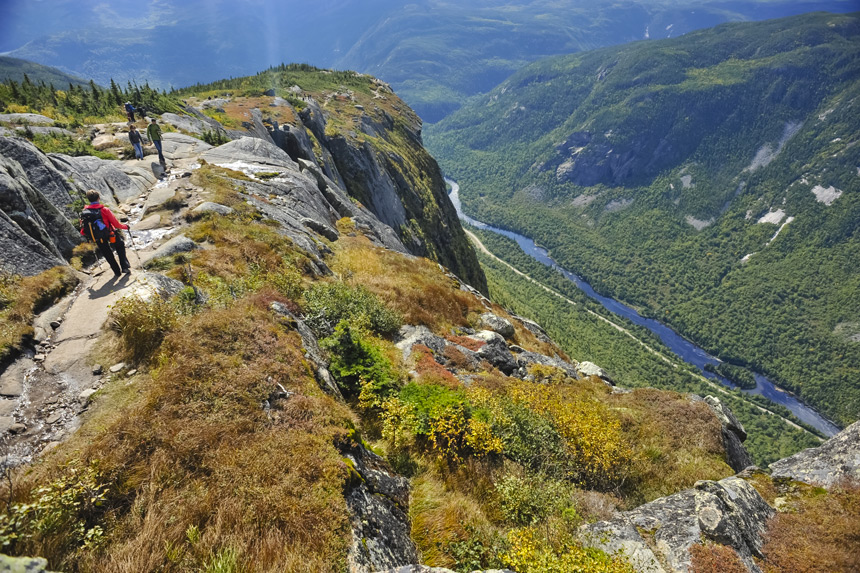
<point x="684" y="349"/>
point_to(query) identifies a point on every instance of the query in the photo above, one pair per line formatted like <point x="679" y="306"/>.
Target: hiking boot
<point x="126" y="271"/>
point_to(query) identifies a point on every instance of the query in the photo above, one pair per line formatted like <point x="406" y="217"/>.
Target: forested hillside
<point x="13" y="69"/>
<point x="710" y="180"/>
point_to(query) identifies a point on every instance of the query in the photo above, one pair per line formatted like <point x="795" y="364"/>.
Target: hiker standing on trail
<point x="135" y="139"/>
<point x="129" y="111"/>
<point x="97" y="225"/>
<point x="153" y="131"/>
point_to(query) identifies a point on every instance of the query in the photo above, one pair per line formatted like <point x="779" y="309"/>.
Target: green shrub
<point x="357" y="360"/>
<point x="70" y="507"/>
<point x="531" y="499"/>
<point x="329" y="303"/>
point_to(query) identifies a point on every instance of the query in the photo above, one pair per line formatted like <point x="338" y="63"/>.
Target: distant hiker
<point x="153" y="131"/>
<point x="129" y="111"/>
<point x="134" y="138"/>
<point x="97" y="225"/>
<point x="141" y="112"/>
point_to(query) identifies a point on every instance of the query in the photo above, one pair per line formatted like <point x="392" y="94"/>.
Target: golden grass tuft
<point x="414" y="287"/>
<point x="820" y="533"/>
<point x="194" y="448"/>
<point x="21" y="298"/>
<point x="678" y="442"/>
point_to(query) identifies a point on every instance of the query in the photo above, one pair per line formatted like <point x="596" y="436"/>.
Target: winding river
<point x="682" y="347"/>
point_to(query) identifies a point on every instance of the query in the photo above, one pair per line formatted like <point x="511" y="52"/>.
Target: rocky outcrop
<point x="733" y="434"/>
<point x="386" y="169"/>
<point x="114" y="180"/>
<point x="378" y="503"/>
<point x="304" y="201"/>
<point x="836" y="459"/>
<point x="28" y="118"/>
<point x="35" y="231"/>
<point x="180" y="146"/>
<point x="313" y="352"/>
<point x="497" y="324"/>
<point x="657" y="536"/>
<point x="251" y="150"/>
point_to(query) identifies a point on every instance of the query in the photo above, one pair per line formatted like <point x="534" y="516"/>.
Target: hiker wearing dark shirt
<point x="98" y="225"/>
<point x="153" y="132"/>
<point x="135" y="139"/>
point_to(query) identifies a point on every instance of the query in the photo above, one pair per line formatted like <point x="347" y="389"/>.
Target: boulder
<point x="835" y="459"/>
<point x="107" y="140"/>
<point x="180" y="146"/>
<point x="23" y="564"/>
<point x="657" y="536"/>
<point x="592" y="369"/>
<point x="210" y="207"/>
<point x="408" y="336"/>
<point x="497" y="324"/>
<point x="160" y="194"/>
<point x="33" y="118"/>
<point x="178" y="244"/>
<point x="149" y="285"/>
<point x="495" y="351"/>
<point x="250" y="150"/>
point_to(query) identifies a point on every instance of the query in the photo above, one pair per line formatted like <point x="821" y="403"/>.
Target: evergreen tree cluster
<point x="77" y="102"/>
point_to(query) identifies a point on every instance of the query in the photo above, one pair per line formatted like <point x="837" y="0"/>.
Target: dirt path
<point x="43" y="394"/>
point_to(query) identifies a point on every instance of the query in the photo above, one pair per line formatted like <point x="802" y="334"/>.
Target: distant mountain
<point x="14" y="69"/>
<point x="711" y="180"/>
<point x="435" y="54"/>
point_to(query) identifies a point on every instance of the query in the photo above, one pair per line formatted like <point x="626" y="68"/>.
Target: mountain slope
<point x="14" y="69"/>
<point x="667" y="163"/>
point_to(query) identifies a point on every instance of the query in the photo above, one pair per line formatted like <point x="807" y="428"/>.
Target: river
<point x="683" y="348"/>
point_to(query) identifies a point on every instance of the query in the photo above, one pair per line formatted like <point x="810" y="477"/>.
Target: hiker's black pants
<point x="107" y="253"/>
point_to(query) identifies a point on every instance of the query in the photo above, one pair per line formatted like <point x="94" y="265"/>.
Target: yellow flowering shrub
<point x="529" y="553"/>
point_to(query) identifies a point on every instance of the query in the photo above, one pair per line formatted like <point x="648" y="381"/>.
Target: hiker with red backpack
<point x="97" y="225"/>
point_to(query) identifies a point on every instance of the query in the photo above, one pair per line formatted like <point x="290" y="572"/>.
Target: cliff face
<point x="366" y="140"/>
<point x="371" y="152"/>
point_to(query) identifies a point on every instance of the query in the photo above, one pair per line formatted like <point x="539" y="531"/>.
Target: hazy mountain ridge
<point x="661" y="158"/>
<point x="435" y="54"/>
<point x="14" y="69"/>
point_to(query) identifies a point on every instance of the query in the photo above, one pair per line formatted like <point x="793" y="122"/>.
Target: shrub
<point x="530" y="553"/>
<point x="326" y="304"/>
<point x="531" y="499"/>
<point x="142" y="325"/>
<point x="68" y="509"/>
<point x="357" y="361"/>
<point x="442" y="420"/>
